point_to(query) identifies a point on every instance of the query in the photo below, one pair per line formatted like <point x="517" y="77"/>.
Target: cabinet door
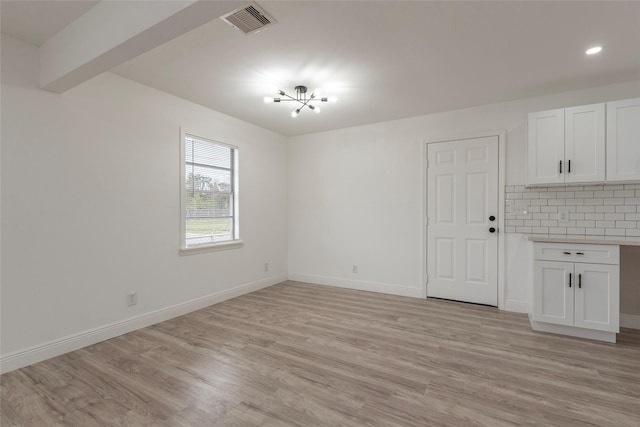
<point x="553" y="293"/>
<point x="623" y="140"/>
<point x="584" y="148"/>
<point x="545" y="147"/>
<point x="597" y="297"/>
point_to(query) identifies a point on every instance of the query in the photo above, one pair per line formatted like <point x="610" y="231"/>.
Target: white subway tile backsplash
<point x="594" y="216"/>
<point x="624" y="193"/>
<point x="626" y="208"/>
<point x="551" y="209"/>
<point x="626" y="224"/>
<point x="595" y="202"/>
<point x="613" y="216"/>
<point x="557" y="230"/>
<point x="586" y="224"/>
<point x="584" y="194"/>
<point x="594" y="188"/>
<point x="605" y="208"/>
<point x="595" y="231"/>
<point x="567" y="195"/>
<point x="540" y="230"/>
<point x="614" y="232"/>
<point x="587" y="209"/>
<point x="605" y="224"/>
<point x="576" y="230"/>
<point x="612" y="210"/>
<point x="613" y="201"/>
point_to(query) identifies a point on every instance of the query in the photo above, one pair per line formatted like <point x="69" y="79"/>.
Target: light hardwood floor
<point x="302" y="355"/>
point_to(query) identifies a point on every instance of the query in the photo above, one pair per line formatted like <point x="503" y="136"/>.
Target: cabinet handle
<point x="560" y="166"/>
<point x="580" y="281"/>
<point x="567" y="253"/>
<point x="579" y="253"/>
<point x="569" y="171"/>
<point x="569" y="279"/>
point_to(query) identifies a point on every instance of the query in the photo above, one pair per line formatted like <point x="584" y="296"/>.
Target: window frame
<point x="235" y="242"/>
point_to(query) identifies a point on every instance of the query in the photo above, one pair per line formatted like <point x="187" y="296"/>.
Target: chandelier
<point x="301" y="98"/>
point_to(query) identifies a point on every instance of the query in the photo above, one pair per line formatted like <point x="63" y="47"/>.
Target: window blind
<point x="209" y="196"/>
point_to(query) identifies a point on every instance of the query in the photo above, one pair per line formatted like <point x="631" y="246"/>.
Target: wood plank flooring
<point x="302" y="355"/>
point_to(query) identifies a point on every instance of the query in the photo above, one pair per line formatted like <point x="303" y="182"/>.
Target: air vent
<point x="249" y="19"/>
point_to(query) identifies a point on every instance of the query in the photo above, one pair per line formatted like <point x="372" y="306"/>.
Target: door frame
<point x="501" y="134"/>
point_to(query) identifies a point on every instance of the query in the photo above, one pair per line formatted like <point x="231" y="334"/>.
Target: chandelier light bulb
<point x="593" y="50"/>
<point x="267" y="99"/>
<point x="317" y="92"/>
<point x="333" y="99"/>
<point x="295" y="113"/>
<point x="317" y="110"/>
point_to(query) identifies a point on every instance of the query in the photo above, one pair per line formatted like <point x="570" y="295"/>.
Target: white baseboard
<point x="360" y="285"/>
<point x="21" y="358"/>
<point x="573" y="331"/>
<point x="516" y="306"/>
<point x="630" y="321"/>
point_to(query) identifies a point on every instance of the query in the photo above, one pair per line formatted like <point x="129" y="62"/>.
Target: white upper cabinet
<point x="584" y="144"/>
<point x="546" y="147"/>
<point x="623" y="140"/>
<point x="567" y="145"/>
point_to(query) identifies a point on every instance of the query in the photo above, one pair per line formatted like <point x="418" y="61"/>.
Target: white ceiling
<point x="393" y="59"/>
<point x="37" y="21"/>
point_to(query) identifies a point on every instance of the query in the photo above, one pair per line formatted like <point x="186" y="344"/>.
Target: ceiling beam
<point x="113" y="32"/>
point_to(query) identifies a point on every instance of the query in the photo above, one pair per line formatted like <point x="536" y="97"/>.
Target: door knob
<point x="492" y="230"/>
<point x="492" y="218"/>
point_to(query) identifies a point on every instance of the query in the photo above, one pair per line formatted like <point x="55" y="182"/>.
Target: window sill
<point x="223" y="246"/>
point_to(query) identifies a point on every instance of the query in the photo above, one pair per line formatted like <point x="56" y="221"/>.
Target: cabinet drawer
<point x="596" y="254"/>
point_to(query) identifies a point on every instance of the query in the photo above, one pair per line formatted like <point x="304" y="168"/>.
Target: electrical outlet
<point x="132" y="299"/>
<point x="266" y="266"/>
<point x="355" y="269"/>
<point x="563" y="216"/>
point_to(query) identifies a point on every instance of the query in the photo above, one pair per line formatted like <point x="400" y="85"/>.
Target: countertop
<point x="592" y="240"/>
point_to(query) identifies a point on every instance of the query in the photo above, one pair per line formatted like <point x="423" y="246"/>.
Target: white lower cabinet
<point x="576" y="298"/>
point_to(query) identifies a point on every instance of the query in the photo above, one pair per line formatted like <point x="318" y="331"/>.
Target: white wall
<point x="355" y="194"/>
<point x="90" y="204"/>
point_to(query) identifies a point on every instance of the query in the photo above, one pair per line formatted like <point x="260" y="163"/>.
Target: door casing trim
<point x="501" y="134"/>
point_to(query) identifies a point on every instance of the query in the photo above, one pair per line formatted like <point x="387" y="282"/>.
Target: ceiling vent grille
<point x="249" y="19"/>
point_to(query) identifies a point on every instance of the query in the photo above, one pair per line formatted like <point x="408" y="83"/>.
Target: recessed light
<point x="593" y="50"/>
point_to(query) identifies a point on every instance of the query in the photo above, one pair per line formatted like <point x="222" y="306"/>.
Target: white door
<point x="597" y="295"/>
<point x="545" y="147"/>
<point x="462" y="252"/>
<point x="623" y="140"/>
<point x="584" y="147"/>
<point x="553" y="285"/>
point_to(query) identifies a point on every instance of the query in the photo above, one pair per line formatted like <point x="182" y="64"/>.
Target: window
<point x="209" y="194"/>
